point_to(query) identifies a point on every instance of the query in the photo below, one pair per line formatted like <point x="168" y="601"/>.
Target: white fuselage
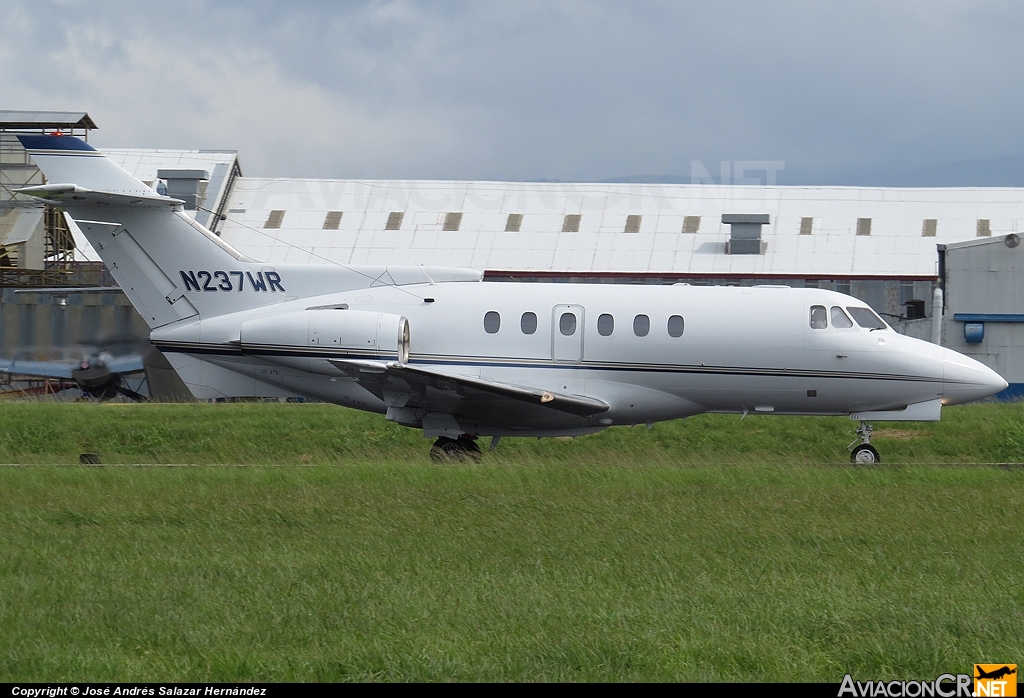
<point x="741" y="349"/>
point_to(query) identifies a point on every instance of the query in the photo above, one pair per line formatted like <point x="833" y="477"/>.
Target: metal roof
<point x="10" y="118"/>
<point x="900" y="243"/>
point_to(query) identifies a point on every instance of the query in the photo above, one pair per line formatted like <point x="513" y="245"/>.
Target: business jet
<point x="438" y="350"/>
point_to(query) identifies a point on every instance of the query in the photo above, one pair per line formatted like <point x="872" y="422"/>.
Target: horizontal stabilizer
<point x="72" y="193"/>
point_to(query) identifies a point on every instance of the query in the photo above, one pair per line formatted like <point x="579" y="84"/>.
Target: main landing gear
<point x="865" y="453"/>
<point x="447" y="450"/>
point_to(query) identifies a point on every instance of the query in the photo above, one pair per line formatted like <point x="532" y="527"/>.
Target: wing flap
<point x="444" y="391"/>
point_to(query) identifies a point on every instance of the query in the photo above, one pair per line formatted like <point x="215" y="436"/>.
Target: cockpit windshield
<point x="866" y="318"/>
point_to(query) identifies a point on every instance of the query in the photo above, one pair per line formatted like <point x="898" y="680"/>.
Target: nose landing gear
<point x="865" y="453"/>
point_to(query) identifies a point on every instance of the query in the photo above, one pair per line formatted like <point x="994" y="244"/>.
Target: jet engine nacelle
<point x="307" y="339"/>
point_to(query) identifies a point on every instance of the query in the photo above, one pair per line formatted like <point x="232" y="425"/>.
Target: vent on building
<point x="863" y="226"/>
<point x="333" y="220"/>
<point x="691" y="224"/>
<point x="274" y="219"/>
<point x="632" y="224"/>
<point x="929" y="227"/>
<point x="452" y="221"/>
<point x="514" y="223"/>
<point x="806" y="226"/>
<point x="394" y="220"/>
<point x="745" y="235"/>
<point x="571" y="224"/>
<point x="984" y="229"/>
<point x="187" y="185"/>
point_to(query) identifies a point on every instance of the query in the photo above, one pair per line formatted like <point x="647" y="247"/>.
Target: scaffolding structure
<point x="56" y="265"/>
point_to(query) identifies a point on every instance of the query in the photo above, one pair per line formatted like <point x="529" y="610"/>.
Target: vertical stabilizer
<point x="154" y="250"/>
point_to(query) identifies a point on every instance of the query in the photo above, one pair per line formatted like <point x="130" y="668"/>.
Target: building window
<point x="984" y="228"/>
<point x="567" y="324"/>
<point x="632" y="224"/>
<point x="514" y="223"/>
<point x="605" y="324"/>
<point x="843" y="286"/>
<point x="691" y="224"/>
<point x="333" y="220"/>
<point x="641" y="325"/>
<point x="806" y="226"/>
<point x="571" y="223"/>
<point x="452" y="221"/>
<point x="675" y="326"/>
<point x="274" y="219"/>
<point x="492" y="322"/>
<point x="394" y="220"/>
<point x="528" y="323"/>
<point x="863" y="226"/>
<point x="929" y="227"/>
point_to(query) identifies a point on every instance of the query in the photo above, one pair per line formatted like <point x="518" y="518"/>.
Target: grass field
<point x="709" y="549"/>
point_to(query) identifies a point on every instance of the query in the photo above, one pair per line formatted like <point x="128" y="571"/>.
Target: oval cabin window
<point x="605" y="325"/>
<point x="641" y="325"/>
<point x="567" y="324"/>
<point x="528" y="323"/>
<point x="675" y="326"/>
<point x="492" y="322"/>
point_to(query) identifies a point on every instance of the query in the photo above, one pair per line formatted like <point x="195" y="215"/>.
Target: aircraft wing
<point x="40" y="369"/>
<point x="476" y="399"/>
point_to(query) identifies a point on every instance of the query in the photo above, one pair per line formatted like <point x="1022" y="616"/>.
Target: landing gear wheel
<point x="447" y="450"/>
<point x="865" y="454"/>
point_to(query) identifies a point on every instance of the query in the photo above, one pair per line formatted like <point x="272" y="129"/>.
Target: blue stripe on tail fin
<point x="64" y="143"/>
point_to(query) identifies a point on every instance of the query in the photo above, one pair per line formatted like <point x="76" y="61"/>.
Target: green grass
<point x="710" y="549"/>
<point x="276" y="434"/>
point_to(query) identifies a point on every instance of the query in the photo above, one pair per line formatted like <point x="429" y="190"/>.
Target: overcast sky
<point x="841" y="92"/>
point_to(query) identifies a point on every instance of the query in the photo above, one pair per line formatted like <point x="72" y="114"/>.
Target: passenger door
<point x="567" y="333"/>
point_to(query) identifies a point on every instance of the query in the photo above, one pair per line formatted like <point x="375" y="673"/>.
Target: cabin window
<point x="567" y="324"/>
<point x="840" y="319"/>
<point x="605" y="324"/>
<point x="675" y="326"/>
<point x="528" y="323"/>
<point x="866" y="318"/>
<point x="819" y="317"/>
<point x="641" y="325"/>
<point x="492" y="322"/>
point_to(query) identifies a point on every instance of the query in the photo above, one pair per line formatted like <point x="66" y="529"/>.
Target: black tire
<point x="447" y="450"/>
<point x="865" y="454"/>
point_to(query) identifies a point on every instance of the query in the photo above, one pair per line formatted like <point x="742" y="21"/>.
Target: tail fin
<point x="146" y="240"/>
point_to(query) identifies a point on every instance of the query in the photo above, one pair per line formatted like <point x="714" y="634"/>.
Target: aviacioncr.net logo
<point x="945" y="686"/>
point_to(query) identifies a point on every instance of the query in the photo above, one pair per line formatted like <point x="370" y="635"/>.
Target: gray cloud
<point x="525" y="90"/>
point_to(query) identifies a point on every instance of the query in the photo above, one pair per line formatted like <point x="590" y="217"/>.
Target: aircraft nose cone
<point x="966" y="380"/>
